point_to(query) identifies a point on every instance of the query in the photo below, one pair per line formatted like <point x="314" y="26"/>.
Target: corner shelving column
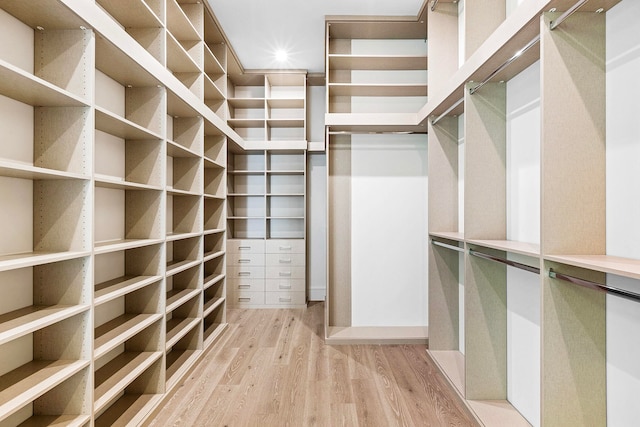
<point x="45" y="187"/>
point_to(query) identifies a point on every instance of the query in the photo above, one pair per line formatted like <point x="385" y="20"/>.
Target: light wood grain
<point x="273" y="367"/>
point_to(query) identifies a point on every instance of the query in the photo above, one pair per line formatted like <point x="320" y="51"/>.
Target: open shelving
<point x="104" y="218"/>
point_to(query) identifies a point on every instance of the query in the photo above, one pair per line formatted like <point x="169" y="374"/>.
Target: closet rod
<point x="505" y="261"/>
<point x="434" y="3"/>
<point x="594" y="285"/>
<point x="445" y="245"/>
<point x="568" y="13"/>
<point x="508" y="62"/>
<point x="447" y="111"/>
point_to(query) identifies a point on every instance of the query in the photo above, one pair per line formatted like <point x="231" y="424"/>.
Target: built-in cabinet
<point x="113" y="188"/>
<point x="521" y="249"/>
<point x="267" y="228"/>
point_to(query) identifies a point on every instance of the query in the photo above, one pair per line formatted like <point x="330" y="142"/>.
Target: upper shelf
<point x="131" y="13"/>
<point x="377" y="62"/>
<point x="377" y="89"/>
<point x="625" y="267"/>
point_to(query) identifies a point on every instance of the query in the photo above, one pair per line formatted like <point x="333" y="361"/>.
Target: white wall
<point x="623" y="209"/>
<point x="389" y="230"/>
<point x="523" y="224"/>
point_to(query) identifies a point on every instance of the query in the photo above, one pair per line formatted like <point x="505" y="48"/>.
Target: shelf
<point x="212" y="332"/>
<point x="285" y="123"/>
<point x="30" y="259"/>
<point x="23" y="171"/>
<point x="245" y="195"/>
<point x="210" y="306"/>
<point x="246" y="102"/>
<point x="29" y="89"/>
<point x="212" y="280"/>
<point x="177" y="297"/>
<point x="131" y="14"/>
<point x="118" y="126"/>
<point x="211" y="63"/>
<point x="246" y="123"/>
<point x="377" y="62"/>
<point x="522" y="248"/>
<point x="112" y="289"/>
<point x="212" y="164"/>
<point x="119" y="330"/>
<point x="211" y="255"/>
<point x="286" y="103"/>
<point x="178" y="59"/>
<point x="178" y="363"/>
<point x="57" y="421"/>
<point x="178" y="23"/>
<point x="130" y="409"/>
<point x="26" y="320"/>
<point x="116" y="375"/>
<point x="176" y="192"/>
<point x="123" y="244"/>
<point x="625" y="267"/>
<point x="178" y="328"/>
<point x="450" y="235"/>
<point x="375" y="334"/>
<point x="116" y="183"/>
<point x="30" y="381"/>
<point x="213" y="231"/>
<point x="211" y="90"/>
<point x="285" y="172"/>
<point x="285" y="194"/>
<point x="353" y="89"/>
<point x="245" y="172"/>
<point x="172" y="237"/>
<point x="451" y="363"/>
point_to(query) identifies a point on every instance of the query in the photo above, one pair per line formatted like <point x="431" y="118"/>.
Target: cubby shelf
<point x="178" y="363"/>
<point x="29" y="319"/>
<point x="211" y="305"/>
<point x="131" y="14"/>
<point x="129" y="408"/>
<point x="123" y="244"/>
<point x="113" y="124"/>
<point x="177" y="328"/>
<point x="12" y="262"/>
<point x="119" y="330"/>
<point x="18" y="170"/>
<point x="115" y="376"/>
<point x="115" y="288"/>
<point x="377" y="89"/>
<point x="57" y="421"/>
<point x="30" y="381"/>
<point x="177" y="297"/>
<point x="212" y="280"/>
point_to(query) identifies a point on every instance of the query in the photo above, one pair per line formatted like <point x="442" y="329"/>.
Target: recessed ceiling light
<point x="281" y="55"/>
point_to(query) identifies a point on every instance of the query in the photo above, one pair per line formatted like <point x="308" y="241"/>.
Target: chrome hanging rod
<point x="445" y="245"/>
<point x="365" y="132"/>
<point x="434" y="3"/>
<point x="447" y="111"/>
<point x="553" y="24"/>
<point x="505" y="261"/>
<point x="508" y="62"/>
<point x="594" y="285"/>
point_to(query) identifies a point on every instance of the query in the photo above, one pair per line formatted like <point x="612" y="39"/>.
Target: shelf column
<point x="573" y="217"/>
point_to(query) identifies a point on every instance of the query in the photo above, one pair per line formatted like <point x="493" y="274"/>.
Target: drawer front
<point x="285" y="285"/>
<point x="275" y="260"/>
<point x="285" y="246"/>
<point x="245" y="298"/>
<point x="285" y="272"/>
<point x="249" y="285"/>
<point x="245" y="272"/>
<point x="245" y="259"/>
<point x="285" y="298"/>
<point x="245" y="246"/>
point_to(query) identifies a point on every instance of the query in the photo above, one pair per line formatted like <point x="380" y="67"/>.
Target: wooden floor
<point x="272" y="368"/>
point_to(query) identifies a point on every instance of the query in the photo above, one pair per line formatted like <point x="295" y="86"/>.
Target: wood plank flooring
<point x="272" y="368"/>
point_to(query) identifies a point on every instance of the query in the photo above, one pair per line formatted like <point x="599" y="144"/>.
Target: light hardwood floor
<point x="272" y="368"/>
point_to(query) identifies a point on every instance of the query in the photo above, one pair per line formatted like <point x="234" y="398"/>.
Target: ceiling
<point x="257" y="29"/>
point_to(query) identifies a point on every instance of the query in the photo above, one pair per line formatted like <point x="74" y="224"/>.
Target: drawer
<point x="245" y="246"/>
<point x="246" y="272"/>
<point x="243" y="259"/>
<point x="285" y="285"/>
<point x="285" y="298"/>
<point x="285" y="272"/>
<point x="285" y="246"/>
<point x="245" y="298"/>
<point x="242" y="285"/>
<point x="282" y="259"/>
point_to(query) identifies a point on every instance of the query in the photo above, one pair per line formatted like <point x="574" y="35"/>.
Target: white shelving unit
<point x="267" y="227"/>
<point x="113" y="184"/>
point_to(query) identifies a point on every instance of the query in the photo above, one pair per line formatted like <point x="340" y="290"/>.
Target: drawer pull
<point x="244" y="248"/>
<point x="285" y="274"/>
<point x="244" y="261"/>
<point x="284" y="286"/>
<point x="283" y="299"/>
<point x="285" y="260"/>
<point x="285" y="248"/>
<point x="244" y="299"/>
<point x="244" y="273"/>
<point x="244" y="286"/>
